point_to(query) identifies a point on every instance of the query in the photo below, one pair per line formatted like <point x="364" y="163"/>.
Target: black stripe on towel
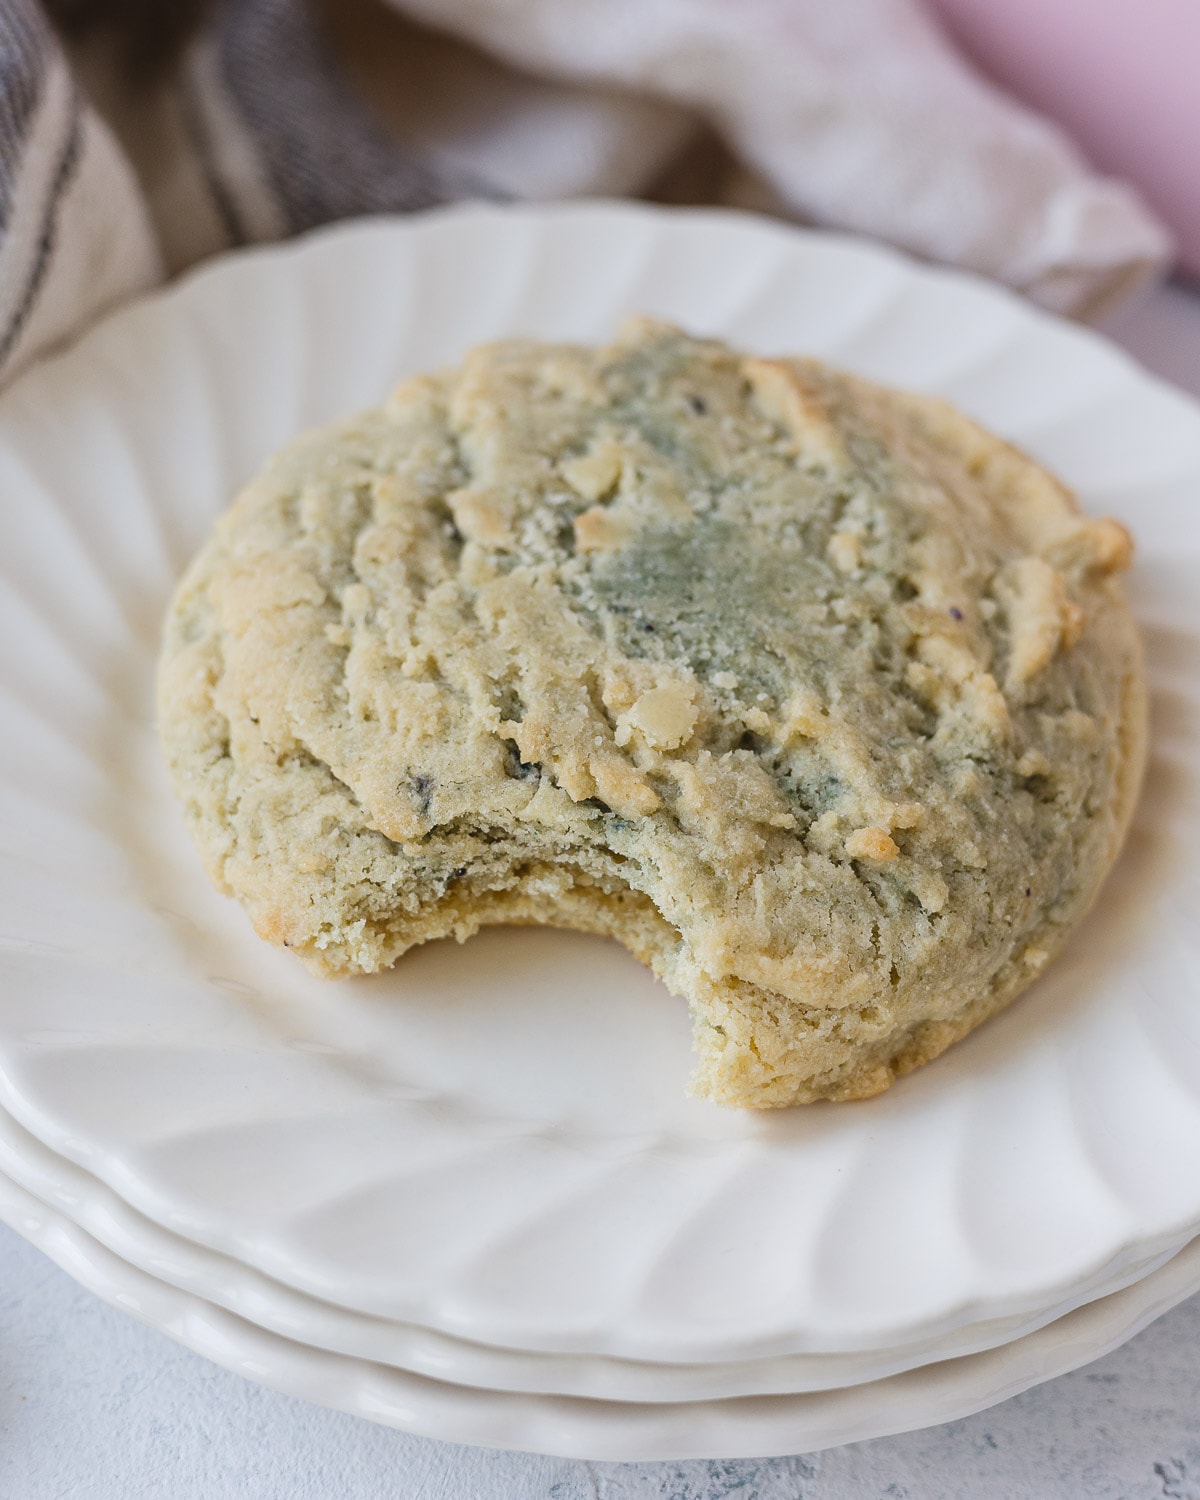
<point x="223" y="199"/>
<point x="321" y="148"/>
<point x="64" y="170"/>
<point x="26" y="48"/>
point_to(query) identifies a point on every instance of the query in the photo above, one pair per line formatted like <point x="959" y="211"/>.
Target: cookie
<point x="822" y="700"/>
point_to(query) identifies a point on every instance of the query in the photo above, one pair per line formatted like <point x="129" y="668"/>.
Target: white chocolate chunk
<point x="666" y="716"/>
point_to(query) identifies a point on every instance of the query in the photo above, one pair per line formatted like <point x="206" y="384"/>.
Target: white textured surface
<point x="94" y="1406"/>
<point x="421" y="1160"/>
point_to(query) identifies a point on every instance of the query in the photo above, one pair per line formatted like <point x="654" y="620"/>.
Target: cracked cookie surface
<point x="821" y="699"/>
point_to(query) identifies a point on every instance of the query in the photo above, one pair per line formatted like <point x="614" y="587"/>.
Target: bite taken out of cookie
<point x="821" y="699"/>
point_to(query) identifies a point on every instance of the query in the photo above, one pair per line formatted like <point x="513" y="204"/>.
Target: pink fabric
<point x="1120" y="75"/>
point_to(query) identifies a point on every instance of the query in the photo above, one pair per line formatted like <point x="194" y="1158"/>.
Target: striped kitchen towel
<point x="137" y="136"/>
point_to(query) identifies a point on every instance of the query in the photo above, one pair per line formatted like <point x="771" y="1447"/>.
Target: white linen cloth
<point x="283" y="114"/>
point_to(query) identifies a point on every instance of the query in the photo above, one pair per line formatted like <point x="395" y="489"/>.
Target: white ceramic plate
<point x="759" y="1426"/>
<point x="395" y="1146"/>
<point x="268" y="1305"/>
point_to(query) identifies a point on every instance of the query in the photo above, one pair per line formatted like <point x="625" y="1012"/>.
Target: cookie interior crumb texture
<point x="822" y="700"/>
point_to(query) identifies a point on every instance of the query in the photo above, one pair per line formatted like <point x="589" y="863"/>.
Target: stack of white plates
<point x="471" y="1198"/>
